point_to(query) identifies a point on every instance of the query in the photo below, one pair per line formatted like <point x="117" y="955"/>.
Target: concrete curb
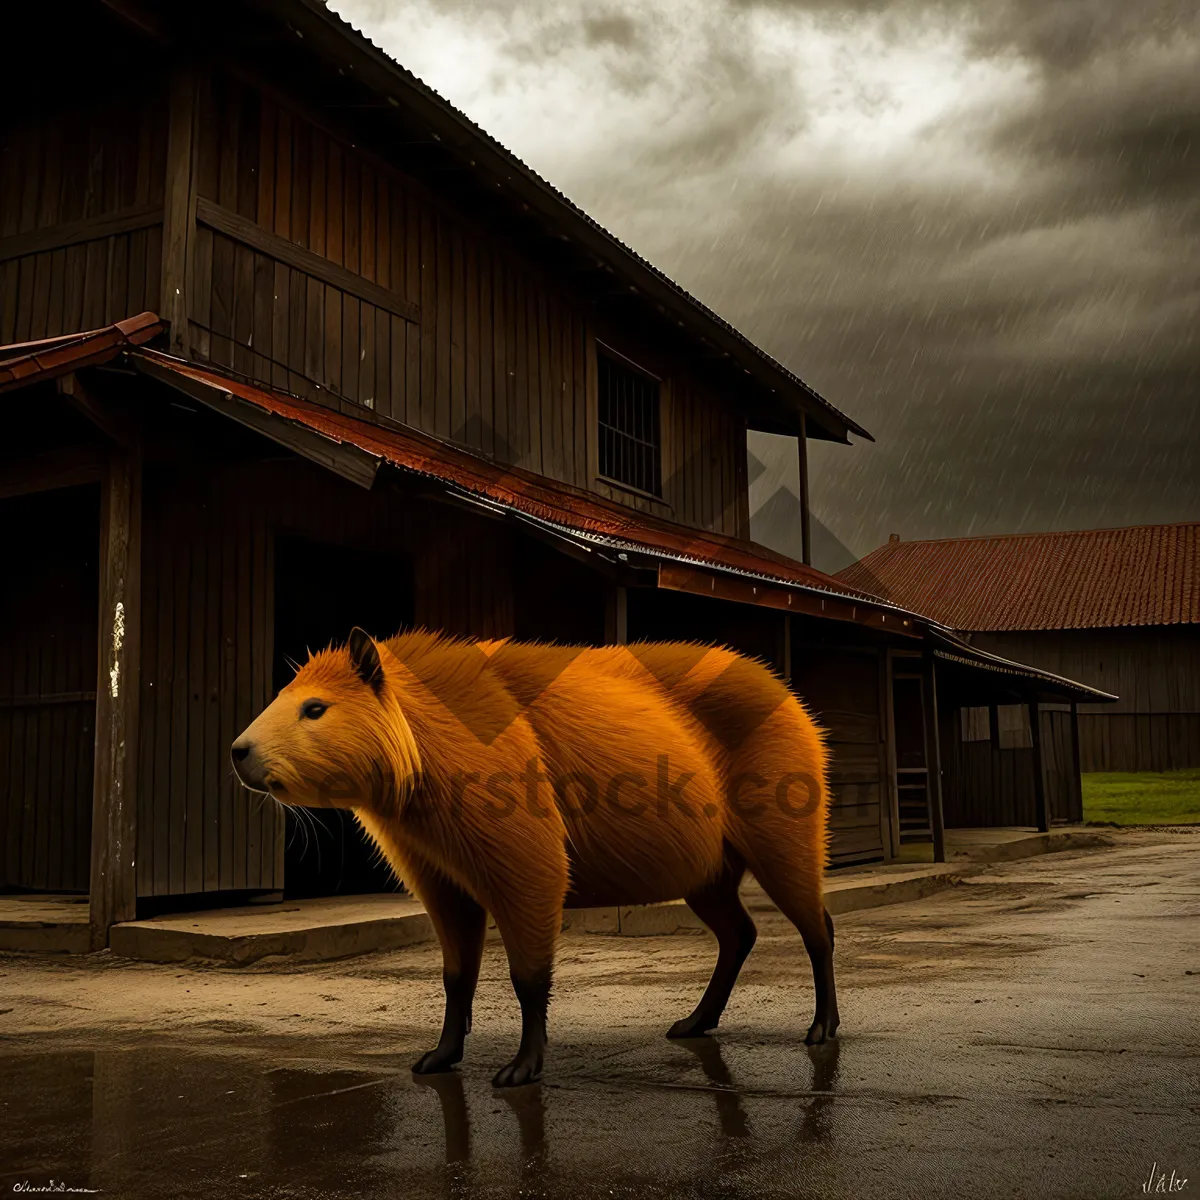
<point x="849" y="891"/>
<point x="324" y="930"/>
<point x="320" y="943"/>
<point x="298" y="931"/>
<point x="45" y="937"/>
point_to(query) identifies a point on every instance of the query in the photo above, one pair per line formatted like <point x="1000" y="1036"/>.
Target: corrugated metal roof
<point x="1088" y="579"/>
<point x="547" y="500"/>
<point x="568" y="511"/>
<point x="27" y="362"/>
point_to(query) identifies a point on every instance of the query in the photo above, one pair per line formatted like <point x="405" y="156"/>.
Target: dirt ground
<point x="1034" y="1030"/>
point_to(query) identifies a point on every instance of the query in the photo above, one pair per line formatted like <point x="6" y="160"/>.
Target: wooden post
<point x="1040" y="799"/>
<point x="805" y="520"/>
<point x="933" y="757"/>
<point x="114" y="792"/>
<point x="892" y="795"/>
<point x="179" y="209"/>
<point x="1076" y="766"/>
<point x="617" y="617"/>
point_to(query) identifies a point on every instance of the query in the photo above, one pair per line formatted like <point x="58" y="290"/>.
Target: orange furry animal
<point x="519" y="779"/>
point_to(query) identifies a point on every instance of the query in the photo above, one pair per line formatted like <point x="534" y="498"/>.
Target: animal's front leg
<point x="530" y="932"/>
<point x="533" y="992"/>
<point x="460" y="923"/>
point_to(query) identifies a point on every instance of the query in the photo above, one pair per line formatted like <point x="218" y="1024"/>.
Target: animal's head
<point x="335" y="737"/>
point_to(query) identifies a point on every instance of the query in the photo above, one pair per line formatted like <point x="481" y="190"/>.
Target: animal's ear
<point x="364" y="654"/>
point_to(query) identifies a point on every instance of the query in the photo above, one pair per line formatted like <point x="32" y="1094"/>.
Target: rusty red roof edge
<point x="569" y="510"/>
<point x="30" y="362"/>
<point x="572" y="512"/>
<point x="551" y="501"/>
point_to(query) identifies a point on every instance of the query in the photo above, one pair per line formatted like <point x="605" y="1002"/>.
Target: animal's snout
<point x="247" y="764"/>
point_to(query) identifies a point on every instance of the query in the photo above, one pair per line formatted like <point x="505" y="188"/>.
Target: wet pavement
<point x="1034" y="1032"/>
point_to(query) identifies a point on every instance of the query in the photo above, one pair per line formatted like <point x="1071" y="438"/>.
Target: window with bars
<point x="630" y="425"/>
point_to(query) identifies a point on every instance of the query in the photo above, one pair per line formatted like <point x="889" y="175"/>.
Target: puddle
<point x="171" y="1123"/>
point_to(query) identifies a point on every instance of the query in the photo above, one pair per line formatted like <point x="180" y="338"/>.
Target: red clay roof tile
<point x="1088" y="579"/>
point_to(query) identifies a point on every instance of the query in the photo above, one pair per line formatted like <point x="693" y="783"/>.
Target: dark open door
<point x="48" y="617"/>
<point x="321" y="593"/>
<point x="912" y="767"/>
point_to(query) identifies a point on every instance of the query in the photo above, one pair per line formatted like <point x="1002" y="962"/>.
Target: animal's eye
<point x="313" y="709"/>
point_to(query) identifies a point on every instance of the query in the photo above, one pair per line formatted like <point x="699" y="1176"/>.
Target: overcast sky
<point x="974" y="225"/>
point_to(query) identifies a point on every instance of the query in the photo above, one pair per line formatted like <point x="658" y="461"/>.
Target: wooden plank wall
<point x="207" y="646"/>
<point x="499" y="357"/>
<point x="58" y="172"/>
<point x="1058" y="765"/>
<point x="1155" y="672"/>
<point x="48" y="623"/>
<point x="986" y="787"/>
<point x="842" y="688"/>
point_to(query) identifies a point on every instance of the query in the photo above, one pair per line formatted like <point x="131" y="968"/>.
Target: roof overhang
<point x="24" y="363"/>
<point x="624" y="543"/>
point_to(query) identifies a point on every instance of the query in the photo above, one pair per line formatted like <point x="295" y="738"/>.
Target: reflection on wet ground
<point x="988" y="1052"/>
<point x="683" y="1119"/>
<point x="169" y="1122"/>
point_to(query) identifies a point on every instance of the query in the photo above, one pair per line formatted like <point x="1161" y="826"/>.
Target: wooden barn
<point x="1118" y="609"/>
<point x="290" y="345"/>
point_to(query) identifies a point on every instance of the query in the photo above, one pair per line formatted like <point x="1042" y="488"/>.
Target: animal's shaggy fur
<point x="522" y="778"/>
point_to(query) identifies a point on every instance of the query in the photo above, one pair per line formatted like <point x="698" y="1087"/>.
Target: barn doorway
<point x="912" y="764"/>
<point x="49" y="604"/>
<point x="321" y="592"/>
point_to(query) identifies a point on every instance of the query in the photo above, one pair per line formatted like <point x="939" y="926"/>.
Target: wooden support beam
<point x="76" y="233"/>
<point x="699" y="581"/>
<point x="68" y="467"/>
<point x="237" y="227"/>
<point x="179" y="211"/>
<point x="1076" y="766"/>
<point x="805" y="518"/>
<point x="933" y="757"/>
<point x="1040" y="799"/>
<point x="617" y="618"/>
<point x="114" y="793"/>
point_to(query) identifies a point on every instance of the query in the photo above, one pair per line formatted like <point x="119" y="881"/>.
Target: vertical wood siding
<point x="208" y="642"/>
<point x="987" y="787"/>
<point x="1155" y="672"/>
<point x="64" y="168"/>
<point x="499" y="358"/>
<point x="842" y="690"/>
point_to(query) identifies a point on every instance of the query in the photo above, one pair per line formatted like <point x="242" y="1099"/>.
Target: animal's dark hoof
<point x="518" y="1073"/>
<point x="816" y="1034"/>
<point x="437" y="1061"/>
<point x="691" y="1027"/>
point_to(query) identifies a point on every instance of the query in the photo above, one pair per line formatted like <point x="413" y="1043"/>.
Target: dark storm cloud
<point x="1010" y="304"/>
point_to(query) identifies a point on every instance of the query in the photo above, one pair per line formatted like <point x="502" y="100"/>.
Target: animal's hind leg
<point x="460" y="923"/>
<point x="720" y="907"/>
<point x="802" y="906"/>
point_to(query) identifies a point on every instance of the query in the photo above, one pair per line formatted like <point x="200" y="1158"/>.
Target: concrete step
<point x="45" y="924"/>
<point x="298" y="930"/>
<point x="338" y="927"/>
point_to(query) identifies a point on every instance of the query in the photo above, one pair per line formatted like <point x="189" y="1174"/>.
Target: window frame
<point x="602" y="348"/>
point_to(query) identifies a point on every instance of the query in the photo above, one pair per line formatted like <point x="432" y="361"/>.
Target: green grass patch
<point x="1129" y="798"/>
